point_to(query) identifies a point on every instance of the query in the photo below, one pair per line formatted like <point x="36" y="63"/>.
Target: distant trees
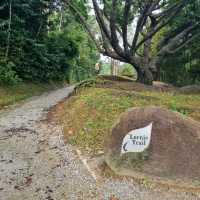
<point x="147" y="18"/>
<point x="83" y="65"/>
<point x="37" y="44"/>
<point x="41" y="41"/>
<point x="25" y="46"/>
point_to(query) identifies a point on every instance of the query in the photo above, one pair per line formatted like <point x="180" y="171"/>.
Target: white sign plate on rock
<point x="137" y="140"/>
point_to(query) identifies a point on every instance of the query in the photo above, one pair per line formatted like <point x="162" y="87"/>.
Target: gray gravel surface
<point x="35" y="164"/>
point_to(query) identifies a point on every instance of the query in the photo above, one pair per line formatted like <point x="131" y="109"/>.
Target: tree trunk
<point x="9" y="30"/>
<point x="145" y="76"/>
<point x="114" y="67"/>
<point x="156" y="74"/>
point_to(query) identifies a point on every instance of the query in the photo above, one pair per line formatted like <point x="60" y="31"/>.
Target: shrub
<point x="7" y="74"/>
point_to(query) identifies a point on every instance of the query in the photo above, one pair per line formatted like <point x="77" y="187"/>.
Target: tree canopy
<point x="117" y="19"/>
<point x="58" y="40"/>
<point x="40" y="41"/>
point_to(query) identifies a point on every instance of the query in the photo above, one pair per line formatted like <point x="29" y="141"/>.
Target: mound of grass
<point x="89" y="115"/>
<point x="12" y="94"/>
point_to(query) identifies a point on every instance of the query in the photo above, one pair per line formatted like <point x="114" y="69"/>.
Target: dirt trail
<point x="35" y="164"/>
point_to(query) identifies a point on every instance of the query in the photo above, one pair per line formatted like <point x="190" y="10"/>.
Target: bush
<point x="7" y="74"/>
<point x="47" y="61"/>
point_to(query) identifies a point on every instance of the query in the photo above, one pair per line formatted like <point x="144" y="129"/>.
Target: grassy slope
<point x="13" y="94"/>
<point x="89" y="115"/>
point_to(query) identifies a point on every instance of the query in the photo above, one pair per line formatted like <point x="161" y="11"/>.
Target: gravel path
<point x="35" y="164"/>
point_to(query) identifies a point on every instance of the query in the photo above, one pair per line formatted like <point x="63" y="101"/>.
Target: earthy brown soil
<point x="175" y="143"/>
<point x="130" y="85"/>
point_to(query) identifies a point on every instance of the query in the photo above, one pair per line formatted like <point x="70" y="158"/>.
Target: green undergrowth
<point x="12" y="94"/>
<point x="89" y="115"/>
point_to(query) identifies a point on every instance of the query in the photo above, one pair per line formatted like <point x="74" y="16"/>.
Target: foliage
<point x="7" y="74"/>
<point x="183" y="67"/>
<point x="49" y="60"/>
<point x="38" y="44"/>
<point x="82" y="65"/>
<point x="85" y="63"/>
<point x="41" y="40"/>
<point x="20" y="28"/>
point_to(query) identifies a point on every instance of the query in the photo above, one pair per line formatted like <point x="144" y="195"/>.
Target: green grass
<point x="90" y="114"/>
<point x="12" y="94"/>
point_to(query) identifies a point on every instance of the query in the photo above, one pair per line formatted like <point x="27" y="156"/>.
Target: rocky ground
<point x="35" y="164"/>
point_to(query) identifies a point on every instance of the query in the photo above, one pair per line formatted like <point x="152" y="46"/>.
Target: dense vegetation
<point x="45" y="41"/>
<point x="41" y="42"/>
<point x="183" y="66"/>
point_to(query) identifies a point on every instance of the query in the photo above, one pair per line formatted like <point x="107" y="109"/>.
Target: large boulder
<point x="174" y="151"/>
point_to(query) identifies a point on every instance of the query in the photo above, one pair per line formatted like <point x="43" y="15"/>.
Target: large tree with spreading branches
<point x="144" y="20"/>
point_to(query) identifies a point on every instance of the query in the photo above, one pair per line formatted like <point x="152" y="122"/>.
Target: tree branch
<point x="114" y="37"/>
<point x="9" y="30"/>
<point x="175" y="43"/>
<point x="140" y="23"/>
<point x="100" y="20"/>
<point x="166" y="38"/>
<point x="163" y="24"/>
<point x="125" y="24"/>
<point x="86" y="26"/>
<point x="184" y="44"/>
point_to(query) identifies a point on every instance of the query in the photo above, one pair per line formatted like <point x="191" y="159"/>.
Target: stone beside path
<point x="173" y="153"/>
<point x="35" y="164"/>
